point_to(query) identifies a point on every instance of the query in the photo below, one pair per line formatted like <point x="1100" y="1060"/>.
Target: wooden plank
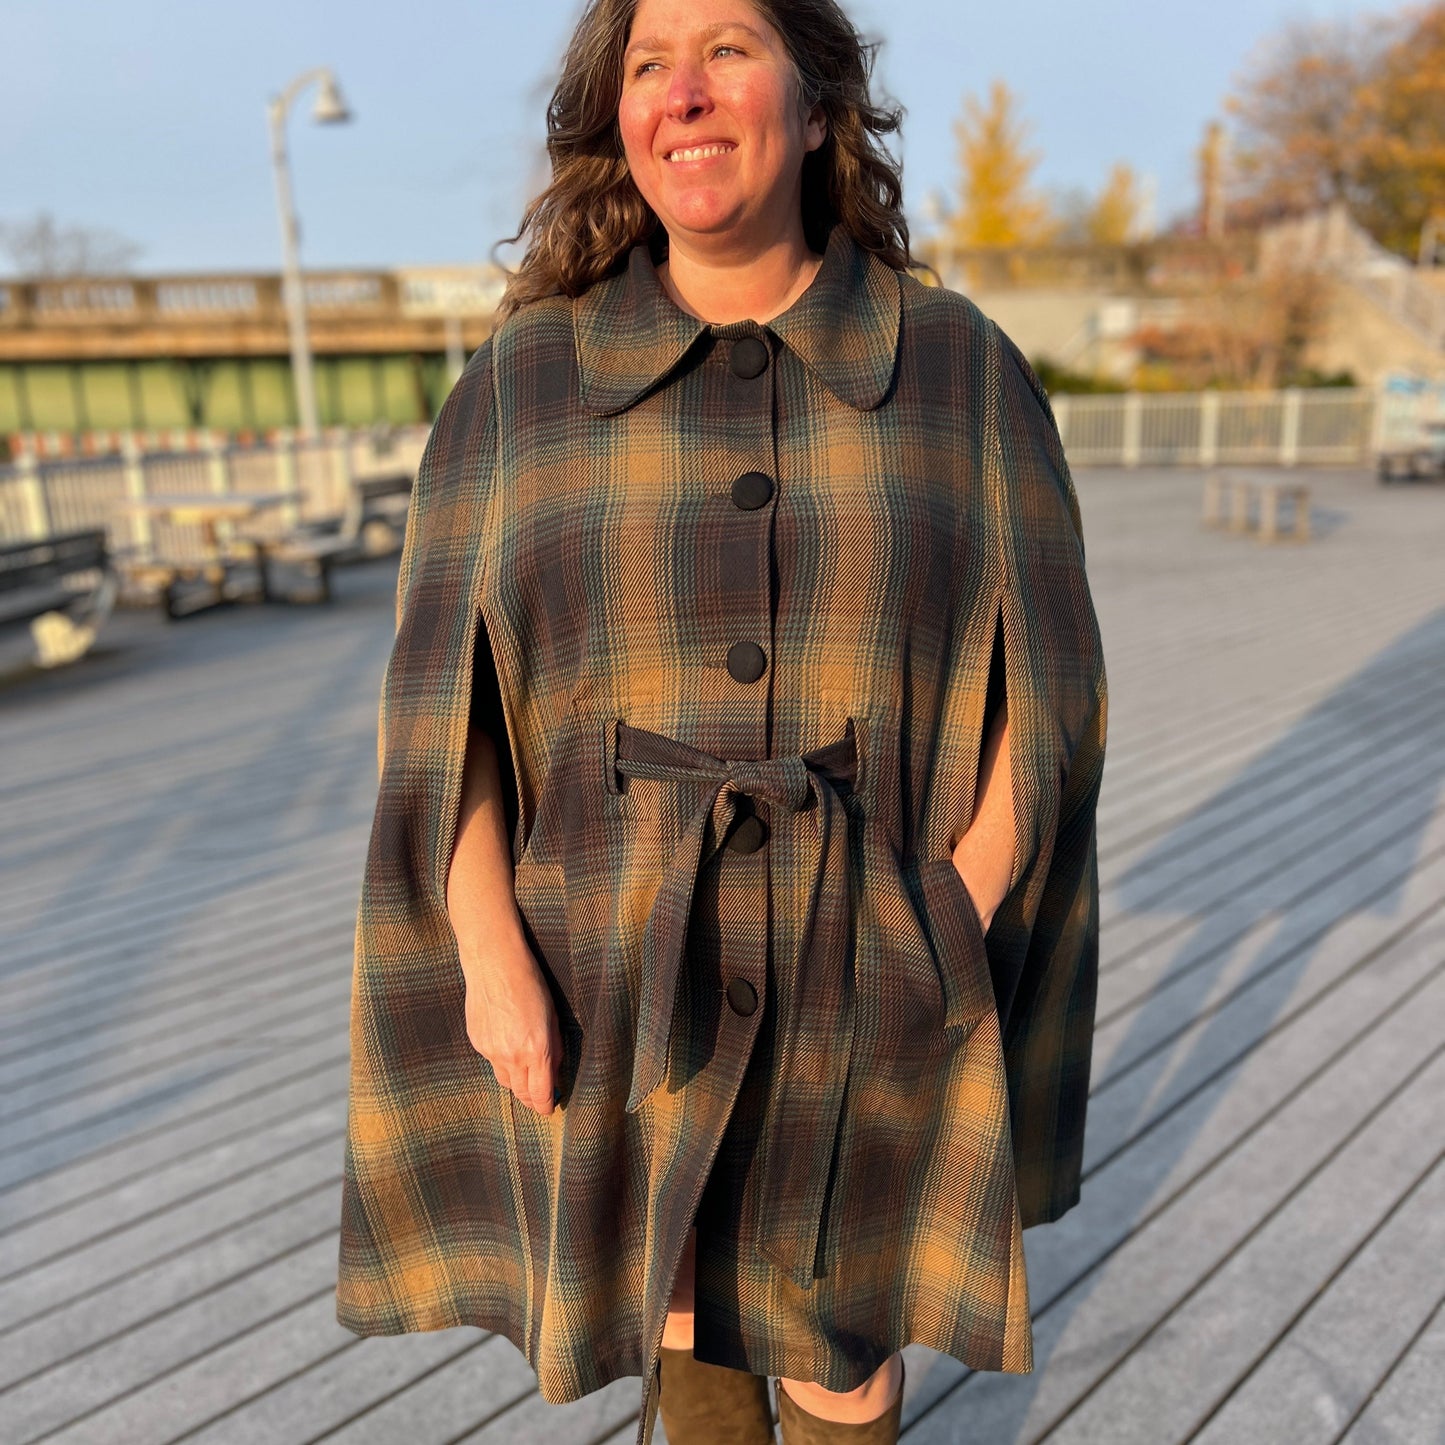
<point x="1304" y="1013"/>
<point x="186" y="1185"/>
<point x="377" y="1392"/>
<point x="1196" y="1351"/>
<point x="199" y="1390"/>
<point x="112" y="1257"/>
<point x="191" y="970"/>
<point x="138" y="889"/>
<point x="97" y="1388"/>
<point x="1321" y="1371"/>
<point x="1308" y="753"/>
<point x="154" y="1054"/>
<point x="488" y="1392"/>
<point x="1286" y="865"/>
<point x="147" y="1152"/>
<point x="78" y="1133"/>
<point x="1283" y="792"/>
<point x="1251" y="939"/>
<point x="94" y="1315"/>
<point x="1406" y="1408"/>
<point x="535" y="1422"/>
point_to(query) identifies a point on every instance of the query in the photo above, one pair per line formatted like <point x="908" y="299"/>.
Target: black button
<point x="751" y="490"/>
<point x="749" y="357"/>
<point x="746" y="661"/>
<point x="742" y="996"/>
<point x="749" y="835"/>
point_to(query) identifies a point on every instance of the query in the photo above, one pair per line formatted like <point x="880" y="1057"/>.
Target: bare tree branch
<point x="39" y="247"/>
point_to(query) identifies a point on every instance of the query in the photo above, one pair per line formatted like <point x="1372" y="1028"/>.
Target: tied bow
<point x="815" y="1039"/>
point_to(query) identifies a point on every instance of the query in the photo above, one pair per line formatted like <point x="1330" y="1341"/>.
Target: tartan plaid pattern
<point x="861" y="1150"/>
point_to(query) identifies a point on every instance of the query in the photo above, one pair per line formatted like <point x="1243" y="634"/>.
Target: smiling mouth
<point x="700" y="153"/>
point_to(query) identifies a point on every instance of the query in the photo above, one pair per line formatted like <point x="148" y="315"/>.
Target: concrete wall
<point x="1361" y="337"/>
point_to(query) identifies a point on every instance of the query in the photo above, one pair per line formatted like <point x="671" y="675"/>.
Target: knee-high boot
<point x="706" y="1404"/>
<point x="801" y="1427"/>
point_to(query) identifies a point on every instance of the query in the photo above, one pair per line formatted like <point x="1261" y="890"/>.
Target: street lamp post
<point x="329" y="109"/>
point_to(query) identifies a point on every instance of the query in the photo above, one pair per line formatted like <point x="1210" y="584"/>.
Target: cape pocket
<point x="955" y="931"/>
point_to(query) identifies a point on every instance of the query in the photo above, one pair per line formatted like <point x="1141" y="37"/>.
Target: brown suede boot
<point x="705" y="1404"/>
<point x="800" y="1427"/>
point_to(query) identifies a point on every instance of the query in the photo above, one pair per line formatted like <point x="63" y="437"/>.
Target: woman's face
<point x="710" y="120"/>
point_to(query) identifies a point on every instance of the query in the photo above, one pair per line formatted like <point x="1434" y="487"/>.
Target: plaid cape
<point x="739" y="600"/>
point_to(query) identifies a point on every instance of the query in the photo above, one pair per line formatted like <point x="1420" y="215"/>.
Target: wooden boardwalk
<point x="1258" y="1255"/>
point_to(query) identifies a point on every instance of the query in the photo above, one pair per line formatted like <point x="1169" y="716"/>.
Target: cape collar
<point x="629" y="334"/>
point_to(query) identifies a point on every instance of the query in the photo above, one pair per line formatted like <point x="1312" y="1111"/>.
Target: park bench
<point x="1240" y="504"/>
<point x="371" y="525"/>
<point x="63" y="587"/>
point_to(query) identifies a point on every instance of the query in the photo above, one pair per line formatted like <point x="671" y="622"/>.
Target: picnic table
<point x="223" y="549"/>
<point x="372" y="524"/>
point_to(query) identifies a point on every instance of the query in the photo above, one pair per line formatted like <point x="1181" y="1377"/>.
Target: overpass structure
<point x="136" y="354"/>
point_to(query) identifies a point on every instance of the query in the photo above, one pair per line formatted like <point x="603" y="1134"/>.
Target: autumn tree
<point x="1400" y="171"/>
<point x="997" y="205"/>
<point x="1297" y="122"/>
<point x="1115" y="213"/>
<point x="1350" y="111"/>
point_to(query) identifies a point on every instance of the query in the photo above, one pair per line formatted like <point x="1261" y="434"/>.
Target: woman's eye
<point x="643" y="67"/>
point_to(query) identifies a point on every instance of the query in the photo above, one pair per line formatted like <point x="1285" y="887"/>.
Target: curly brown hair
<point x="581" y="227"/>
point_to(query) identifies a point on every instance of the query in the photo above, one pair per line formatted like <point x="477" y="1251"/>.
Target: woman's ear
<point x="815" y="129"/>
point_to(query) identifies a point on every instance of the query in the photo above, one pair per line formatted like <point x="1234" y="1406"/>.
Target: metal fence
<point x="1283" y="428"/>
<point x="42" y="496"/>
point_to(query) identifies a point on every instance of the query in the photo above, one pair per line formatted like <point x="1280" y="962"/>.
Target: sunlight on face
<point x="710" y="120"/>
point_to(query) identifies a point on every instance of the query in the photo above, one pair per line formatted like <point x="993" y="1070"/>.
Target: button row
<point x="746" y="660"/>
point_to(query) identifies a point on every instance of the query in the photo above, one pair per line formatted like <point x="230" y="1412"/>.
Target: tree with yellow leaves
<point x="1400" y="171"/>
<point x="997" y="204"/>
<point x="1115" y="211"/>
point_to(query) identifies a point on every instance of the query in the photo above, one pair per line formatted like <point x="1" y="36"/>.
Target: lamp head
<point x="330" y="107"/>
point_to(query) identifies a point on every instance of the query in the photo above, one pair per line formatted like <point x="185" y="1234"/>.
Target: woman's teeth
<point x="697" y="153"/>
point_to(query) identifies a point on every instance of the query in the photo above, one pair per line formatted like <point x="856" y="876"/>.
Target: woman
<point x="727" y="947"/>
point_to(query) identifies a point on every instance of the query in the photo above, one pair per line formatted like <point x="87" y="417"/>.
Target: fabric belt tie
<point x="814" y="1043"/>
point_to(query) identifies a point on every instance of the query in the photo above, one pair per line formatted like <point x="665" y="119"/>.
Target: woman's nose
<point x="687" y="96"/>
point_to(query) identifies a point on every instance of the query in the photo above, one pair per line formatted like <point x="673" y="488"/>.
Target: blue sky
<point x="148" y="117"/>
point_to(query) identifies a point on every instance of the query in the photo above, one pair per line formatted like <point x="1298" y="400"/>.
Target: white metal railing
<point x="1284" y="428"/>
<point x="43" y="495"/>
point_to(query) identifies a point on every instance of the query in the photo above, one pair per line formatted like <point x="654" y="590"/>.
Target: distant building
<point x="98" y="354"/>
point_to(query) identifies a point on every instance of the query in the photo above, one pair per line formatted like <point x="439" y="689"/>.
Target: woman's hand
<point x="984" y="856"/>
<point x="512" y="1023"/>
<point x="511" y="1019"/>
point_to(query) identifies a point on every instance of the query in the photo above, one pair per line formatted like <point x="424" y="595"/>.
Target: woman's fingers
<point x="542" y="1076"/>
<point x="503" y="1026"/>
